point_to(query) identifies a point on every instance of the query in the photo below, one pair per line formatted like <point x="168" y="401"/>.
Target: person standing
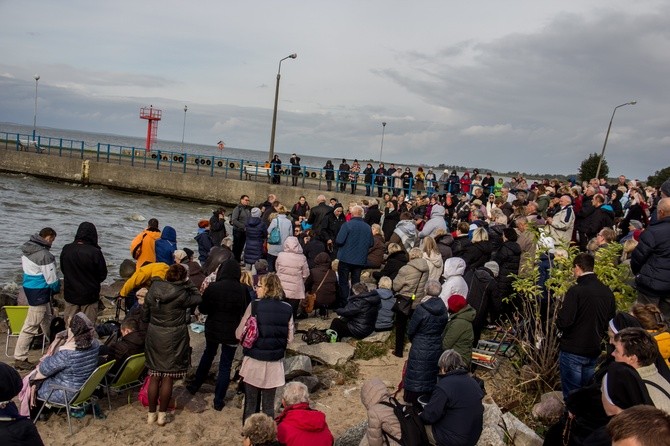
<point x="390" y="179"/>
<point x="562" y="224"/>
<point x="40" y="282"/>
<point x="353" y="241"/>
<point x="217" y="226"/>
<point x="353" y="175"/>
<point x="275" y="166"/>
<point x="650" y="261"/>
<point x="368" y="174"/>
<point x="166" y="309"/>
<point x="295" y="168"/>
<point x="343" y="174"/>
<point x="380" y="179"/>
<point x="84" y="268"/>
<point x="238" y="219"/>
<point x="582" y="320"/>
<point x="143" y="246"/>
<point x="329" y="171"/>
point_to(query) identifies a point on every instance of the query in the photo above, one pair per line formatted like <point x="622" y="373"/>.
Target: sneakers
<point x="23" y="364"/>
<point x="163" y="418"/>
<point x="151" y="417"/>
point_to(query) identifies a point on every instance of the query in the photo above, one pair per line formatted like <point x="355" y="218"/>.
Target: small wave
<point x="135" y="217"/>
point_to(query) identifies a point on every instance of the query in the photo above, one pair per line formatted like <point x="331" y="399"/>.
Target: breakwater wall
<point x="86" y="170"/>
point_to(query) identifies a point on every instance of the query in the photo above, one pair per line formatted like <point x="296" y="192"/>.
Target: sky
<point x="514" y="85"/>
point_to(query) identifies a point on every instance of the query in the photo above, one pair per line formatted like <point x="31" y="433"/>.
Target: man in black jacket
<point x="84" y="268"/>
<point x="238" y="219"/>
<point x="318" y="216"/>
<point x="587" y="307"/>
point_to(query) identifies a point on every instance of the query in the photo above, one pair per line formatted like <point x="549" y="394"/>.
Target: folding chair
<point x="487" y="353"/>
<point x="16" y="316"/>
<point x="78" y="398"/>
<point x="127" y="377"/>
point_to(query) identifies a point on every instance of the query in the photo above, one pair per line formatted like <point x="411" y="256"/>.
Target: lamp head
<point x="633" y="102"/>
<point x="37" y="77"/>
<point x="293" y="56"/>
<point x="185" y="108"/>
<point x="383" y="124"/>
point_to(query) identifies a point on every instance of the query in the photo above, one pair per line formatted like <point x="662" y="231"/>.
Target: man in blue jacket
<point x="353" y="241"/>
<point x="40" y="282"/>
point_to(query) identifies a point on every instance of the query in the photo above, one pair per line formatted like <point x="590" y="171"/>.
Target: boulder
<point x="550" y="408"/>
<point x="299" y="365"/>
<point x="353" y="436"/>
<point x="326" y="353"/>
<point x="521" y="435"/>
<point x="492" y="434"/>
<point x="312" y="382"/>
<point x="381" y="336"/>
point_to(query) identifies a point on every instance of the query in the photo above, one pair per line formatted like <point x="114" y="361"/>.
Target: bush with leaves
<point x="615" y="275"/>
<point x="588" y="168"/>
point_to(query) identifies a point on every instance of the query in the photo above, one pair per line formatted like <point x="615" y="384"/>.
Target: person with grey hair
<point x="298" y="424"/>
<point x="357" y="319"/>
<point x="454" y="413"/>
<point x="385" y="315"/>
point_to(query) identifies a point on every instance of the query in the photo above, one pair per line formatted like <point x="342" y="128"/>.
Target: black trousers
<point x="400" y="333"/>
<point x="340" y="326"/>
<point x="239" y="238"/>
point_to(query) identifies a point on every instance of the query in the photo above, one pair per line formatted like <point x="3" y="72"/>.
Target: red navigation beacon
<point x="152" y="115"/>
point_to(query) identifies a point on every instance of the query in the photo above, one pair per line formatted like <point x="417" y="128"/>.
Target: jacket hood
<point x="437" y="211"/>
<point x="446" y="239"/>
<point x="291" y="244"/>
<point x="371" y="296"/>
<point x="435" y="306"/>
<point x="374" y="391"/>
<point x="454" y="266"/>
<point x="87" y="233"/>
<point x="254" y="221"/>
<point x="435" y="259"/>
<point x="303" y="418"/>
<point x="467" y="313"/>
<point x="167" y="291"/>
<point x="407" y="227"/>
<point x="322" y="258"/>
<point x="419" y="264"/>
<point x="230" y="270"/>
<point x="385" y="294"/>
<point x="169" y="234"/>
<point x="36" y="243"/>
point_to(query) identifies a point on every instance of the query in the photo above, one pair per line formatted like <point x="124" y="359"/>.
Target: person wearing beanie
<point x="459" y="334"/>
<point x="143" y="246"/>
<point x="15" y="430"/>
<point x="204" y="240"/>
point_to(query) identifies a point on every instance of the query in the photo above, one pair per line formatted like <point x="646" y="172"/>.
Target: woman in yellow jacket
<point x="652" y="320"/>
<point x="143" y="246"/>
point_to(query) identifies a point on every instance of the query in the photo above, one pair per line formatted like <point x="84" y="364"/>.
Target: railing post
<point x="158" y="160"/>
<point x="241" y="168"/>
<point x="185" y="161"/>
<point x="211" y="171"/>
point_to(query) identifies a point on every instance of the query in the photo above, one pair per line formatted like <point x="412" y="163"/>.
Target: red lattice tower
<point x="152" y="115"/>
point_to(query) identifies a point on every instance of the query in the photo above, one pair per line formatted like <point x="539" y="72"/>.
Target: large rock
<point x="550" y="408"/>
<point x="521" y="435"/>
<point x="327" y="353"/>
<point x="353" y="435"/>
<point x="299" y="365"/>
<point x="312" y="382"/>
<point x="492" y="434"/>
<point x="381" y="336"/>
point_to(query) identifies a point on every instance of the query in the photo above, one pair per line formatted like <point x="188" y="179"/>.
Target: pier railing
<point x="215" y="166"/>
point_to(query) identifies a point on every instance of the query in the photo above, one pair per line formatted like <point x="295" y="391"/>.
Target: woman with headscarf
<point x="166" y="309"/>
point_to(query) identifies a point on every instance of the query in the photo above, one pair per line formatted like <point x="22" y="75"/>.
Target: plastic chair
<point x="80" y="398"/>
<point x="487" y="353"/>
<point x="127" y="377"/>
<point x="16" y="317"/>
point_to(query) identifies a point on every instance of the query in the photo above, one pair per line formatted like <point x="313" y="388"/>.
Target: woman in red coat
<point x="298" y="424"/>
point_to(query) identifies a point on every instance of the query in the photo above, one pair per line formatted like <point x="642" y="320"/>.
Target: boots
<point x="163" y="418"/>
<point x="151" y="417"/>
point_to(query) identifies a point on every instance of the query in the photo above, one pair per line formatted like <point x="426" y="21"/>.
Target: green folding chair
<point x="16" y="317"/>
<point x="127" y="377"/>
<point x="78" y="398"/>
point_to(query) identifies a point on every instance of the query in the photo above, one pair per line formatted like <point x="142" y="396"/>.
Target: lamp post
<point x="381" y="149"/>
<point x="183" y="130"/>
<point x="274" y="114"/>
<point x="37" y="78"/>
<point x="602" y="154"/>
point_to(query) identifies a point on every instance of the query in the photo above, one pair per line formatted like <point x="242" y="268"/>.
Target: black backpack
<point x="412" y="429"/>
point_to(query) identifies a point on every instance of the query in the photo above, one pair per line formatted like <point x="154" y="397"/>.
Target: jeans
<point x="223" y="377"/>
<point x="344" y="269"/>
<point x="38" y="316"/>
<point x="256" y="399"/>
<point x="576" y="371"/>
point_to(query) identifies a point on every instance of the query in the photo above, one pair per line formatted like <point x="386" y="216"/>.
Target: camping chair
<point x="16" y="316"/>
<point x="487" y="353"/>
<point x="127" y="377"/>
<point x="79" y="398"/>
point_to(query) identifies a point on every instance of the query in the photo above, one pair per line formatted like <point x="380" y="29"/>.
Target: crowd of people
<point x="436" y="267"/>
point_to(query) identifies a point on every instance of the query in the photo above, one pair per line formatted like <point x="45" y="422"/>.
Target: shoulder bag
<point x="403" y="304"/>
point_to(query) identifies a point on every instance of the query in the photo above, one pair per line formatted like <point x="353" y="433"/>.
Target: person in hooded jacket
<point x="410" y="283"/>
<point x="256" y="234"/>
<point x="396" y="259"/>
<point x="479" y="251"/>
<point x="482" y="295"/>
<point x="385" y="316"/>
<point x="357" y="319"/>
<point x="142" y="248"/>
<point x="425" y="333"/>
<point x="292" y="270"/>
<point x="458" y="334"/>
<point x="167" y="342"/>
<point x="312" y="246"/>
<point x="405" y="233"/>
<point x="444" y="241"/>
<point x="15" y="430"/>
<point x="166" y="246"/>
<point x="204" y="240"/>
<point x="508" y="258"/>
<point x="454" y="283"/>
<point x="322" y="280"/>
<point x="84" y="268"/>
<point x="433" y="257"/>
<point x="391" y="219"/>
<point x="435" y="223"/>
<point x="383" y="424"/>
<point x="224" y="303"/>
<point x="298" y="424"/>
<point x="217" y="226"/>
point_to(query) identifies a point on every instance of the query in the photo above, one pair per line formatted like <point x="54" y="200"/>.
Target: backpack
<point x="314" y="336"/>
<point x="412" y="429"/>
<point x="275" y="235"/>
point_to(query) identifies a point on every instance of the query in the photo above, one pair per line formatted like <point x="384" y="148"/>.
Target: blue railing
<point x="305" y="176"/>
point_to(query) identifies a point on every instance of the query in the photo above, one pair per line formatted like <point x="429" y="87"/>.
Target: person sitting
<point x="397" y="258"/>
<point x="459" y="334"/>
<point x="383" y="424"/>
<point x="14" y="428"/>
<point x="130" y="343"/>
<point x="259" y="430"/>
<point x="385" y="315"/>
<point x="298" y="424"/>
<point x="376" y="252"/>
<point x="141" y="279"/>
<point x="357" y="319"/>
<point x="454" y="412"/>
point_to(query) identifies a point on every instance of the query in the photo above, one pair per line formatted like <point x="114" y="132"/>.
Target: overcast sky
<point x="523" y="85"/>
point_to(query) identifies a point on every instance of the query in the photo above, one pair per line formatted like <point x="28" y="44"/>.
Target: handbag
<point x="250" y="333"/>
<point x="310" y="298"/>
<point x="275" y="235"/>
<point x="403" y="304"/>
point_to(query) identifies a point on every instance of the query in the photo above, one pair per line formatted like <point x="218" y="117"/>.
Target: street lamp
<point x="602" y="154"/>
<point x="37" y="78"/>
<point x="183" y="130"/>
<point x="381" y="149"/>
<point x="274" y="114"/>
